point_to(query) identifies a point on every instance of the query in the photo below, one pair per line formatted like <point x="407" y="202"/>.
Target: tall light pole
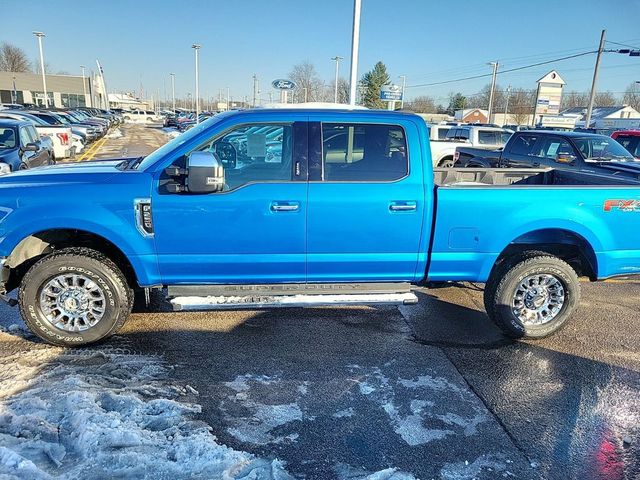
<point x="404" y="84"/>
<point x="493" y="87"/>
<point x="506" y="106"/>
<point x="197" y="47"/>
<point x="173" y="91"/>
<point x="592" y="94"/>
<point x="355" y="44"/>
<point x="337" y="59"/>
<point x="228" y="98"/>
<point x="84" y="85"/>
<point x="44" y="79"/>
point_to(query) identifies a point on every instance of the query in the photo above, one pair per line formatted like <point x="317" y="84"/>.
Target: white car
<point x="145" y="116"/>
<point x="478" y="136"/>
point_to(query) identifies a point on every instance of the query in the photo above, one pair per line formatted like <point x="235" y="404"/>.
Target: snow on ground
<point x="171" y="132"/>
<point x="108" y="413"/>
<point x="114" y="134"/>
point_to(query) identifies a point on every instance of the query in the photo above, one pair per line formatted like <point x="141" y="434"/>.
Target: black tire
<point x="95" y="266"/>
<point x="446" y="162"/>
<point x="502" y="286"/>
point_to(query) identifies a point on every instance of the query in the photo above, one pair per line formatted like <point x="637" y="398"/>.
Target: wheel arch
<point x="37" y="245"/>
<point x="568" y="245"/>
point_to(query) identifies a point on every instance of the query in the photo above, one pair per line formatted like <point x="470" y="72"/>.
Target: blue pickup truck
<point x="291" y="207"/>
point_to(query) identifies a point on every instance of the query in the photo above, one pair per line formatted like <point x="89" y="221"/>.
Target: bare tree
<point x="605" y="99"/>
<point x="343" y="91"/>
<point x="574" y="99"/>
<point x="13" y="59"/>
<point x="310" y="87"/>
<point x="421" y="104"/>
<point x="521" y="105"/>
<point x="481" y="99"/>
<point x="632" y="96"/>
<point x="36" y="67"/>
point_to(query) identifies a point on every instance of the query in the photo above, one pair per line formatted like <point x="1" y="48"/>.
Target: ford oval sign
<point x="283" y="84"/>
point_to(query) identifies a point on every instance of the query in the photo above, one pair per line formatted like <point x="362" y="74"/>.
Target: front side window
<point x="552" y="147"/>
<point x="24" y="136"/>
<point x="363" y="152"/>
<point x="254" y="153"/>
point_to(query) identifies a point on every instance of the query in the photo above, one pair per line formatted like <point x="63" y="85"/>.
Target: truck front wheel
<point x="533" y="297"/>
<point x="74" y="297"/>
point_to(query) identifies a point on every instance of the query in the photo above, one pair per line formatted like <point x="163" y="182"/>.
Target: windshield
<point x="598" y="148"/>
<point x="157" y="155"/>
<point x="7" y="138"/>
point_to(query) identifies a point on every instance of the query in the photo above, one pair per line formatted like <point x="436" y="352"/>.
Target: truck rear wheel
<point x="532" y="297"/>
<point x="74" y="297"/>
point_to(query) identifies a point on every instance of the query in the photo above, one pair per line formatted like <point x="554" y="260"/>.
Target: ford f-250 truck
<point x="211" y="222"/>
<point x="585" y="152"/>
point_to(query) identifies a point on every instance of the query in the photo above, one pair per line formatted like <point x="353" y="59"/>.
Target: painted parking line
<point x="93" y="150"/>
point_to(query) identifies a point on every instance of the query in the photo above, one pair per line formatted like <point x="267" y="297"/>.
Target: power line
<point x="503" y="71"/>
<point x="622" y="44"/>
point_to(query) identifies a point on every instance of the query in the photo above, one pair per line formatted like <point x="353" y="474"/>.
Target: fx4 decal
<point x="622" y="205"/>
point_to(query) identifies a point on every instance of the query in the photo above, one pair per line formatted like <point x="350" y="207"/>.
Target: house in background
<point x="618" y="116"/>
<point x="472" y="115"/>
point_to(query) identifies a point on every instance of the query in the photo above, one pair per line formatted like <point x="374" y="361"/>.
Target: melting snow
<point x="87" y="414"/>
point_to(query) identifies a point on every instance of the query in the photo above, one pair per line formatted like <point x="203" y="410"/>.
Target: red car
<point x="630" y="140"/>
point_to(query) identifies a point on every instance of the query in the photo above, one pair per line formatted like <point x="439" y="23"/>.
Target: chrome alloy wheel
<point x="72" y="302"/>
<point x="538" y="299"/>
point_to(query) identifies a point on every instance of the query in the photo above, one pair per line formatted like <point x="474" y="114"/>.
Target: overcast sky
<point x="140" y="42"/>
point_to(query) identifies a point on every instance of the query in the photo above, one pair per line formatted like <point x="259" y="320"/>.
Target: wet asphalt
<point x="433" y="389"/>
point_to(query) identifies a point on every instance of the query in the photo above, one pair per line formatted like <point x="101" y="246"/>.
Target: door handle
<point x="403" y="206"/>
<point x="284" y="206"/>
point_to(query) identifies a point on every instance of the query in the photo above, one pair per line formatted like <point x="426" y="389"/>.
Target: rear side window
<point x="487" y="137"/>
<point x="523" y="144"/>
<point x="442" y="133"/>
<point x="363" y="152"/>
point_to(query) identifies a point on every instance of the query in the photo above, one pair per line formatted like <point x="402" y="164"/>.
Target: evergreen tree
<point x="372" y="81"/>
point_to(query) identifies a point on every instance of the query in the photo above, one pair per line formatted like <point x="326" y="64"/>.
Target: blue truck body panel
<point x="340" y="231"/>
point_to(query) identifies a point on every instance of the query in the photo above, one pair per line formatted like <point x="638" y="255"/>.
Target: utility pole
<point x="493" y="87"/>
<point x="228" y="98"/>
<point x="44" y="77"/>
<point x="404" y="84"/>
<point x="337" y="59"/>
<point x="592" y="95"/>
<point x="255" y="90"/>
<point x="506" y="106"/>
<point x="197" y="47"/>
<point x="355" y="44"/>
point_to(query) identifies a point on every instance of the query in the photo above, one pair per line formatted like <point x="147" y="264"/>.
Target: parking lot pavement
<point x="127" y="140"/>
<point x="432" y="390"/>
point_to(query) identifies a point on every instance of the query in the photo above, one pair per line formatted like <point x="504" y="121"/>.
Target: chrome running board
<point x="221" y="302"/>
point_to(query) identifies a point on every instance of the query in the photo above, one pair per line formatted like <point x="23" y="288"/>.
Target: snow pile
<point x="348" y="472"/>
<point x="171" y="132"/>
<point x="115" y="134"/>
<point x="90" y="414"/>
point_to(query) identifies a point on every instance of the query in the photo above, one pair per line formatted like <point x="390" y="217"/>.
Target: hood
<point x="627" y="167"/>
<point x="66" y="172"/>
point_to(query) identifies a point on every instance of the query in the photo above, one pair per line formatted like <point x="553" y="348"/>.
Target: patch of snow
<point x="347" y="472"/>
<point x="347" y="412"/>
<point x="492" y="464"/>
<point x="115" y="134"/>
<point x="88" y="414"/>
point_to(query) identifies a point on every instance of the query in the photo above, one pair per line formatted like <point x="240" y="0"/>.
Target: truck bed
<point x="482" y="177"/>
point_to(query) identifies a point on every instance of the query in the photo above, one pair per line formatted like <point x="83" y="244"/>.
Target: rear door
<point x="365" y="205"/>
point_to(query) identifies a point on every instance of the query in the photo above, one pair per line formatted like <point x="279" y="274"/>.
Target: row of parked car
<point x="33" y="137"/>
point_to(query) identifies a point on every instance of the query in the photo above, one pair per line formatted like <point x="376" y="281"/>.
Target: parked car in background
<point x="576" y="151"/>
<point x="60" y="136"/>
<point x="141" y="116"/>
<point x="90" y="132"/>
<point x="517" y="128"/>
<point x="630" y="140"/>
<point x="485" y="137"/>
<point x="21" y="147"/>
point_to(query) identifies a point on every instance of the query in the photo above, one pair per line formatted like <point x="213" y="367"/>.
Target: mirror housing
<point x="30" y="147"/>
<point x="205" y="173"/>
<point x="565" y="158"/>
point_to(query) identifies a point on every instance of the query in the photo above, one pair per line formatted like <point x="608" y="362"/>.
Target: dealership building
<point x="62" y="90"/>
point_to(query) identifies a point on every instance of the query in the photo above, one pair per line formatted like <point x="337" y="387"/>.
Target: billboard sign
<point x="391" y="93"/>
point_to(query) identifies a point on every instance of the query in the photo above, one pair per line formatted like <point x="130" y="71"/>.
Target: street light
<point x="335" y="92"/>
<point x="355" y="44"/>
<point x="173" y="91"/>
<point x="404" y="84"/>
<point x="84" y="85"/>
<point x="197" y="47"/>
<point x="44" y="79"/>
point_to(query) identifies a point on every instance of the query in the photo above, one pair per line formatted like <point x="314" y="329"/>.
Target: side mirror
<point x="205" y="173"/>
<point x="30" y="147"/>
<point x="565" y="158"/>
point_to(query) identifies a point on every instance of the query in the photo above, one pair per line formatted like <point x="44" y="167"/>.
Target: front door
<point x="366" y="207"/>
<point x="254" y="230"/>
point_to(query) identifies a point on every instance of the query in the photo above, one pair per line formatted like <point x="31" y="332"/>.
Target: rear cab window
<point x="363" y="152"/>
